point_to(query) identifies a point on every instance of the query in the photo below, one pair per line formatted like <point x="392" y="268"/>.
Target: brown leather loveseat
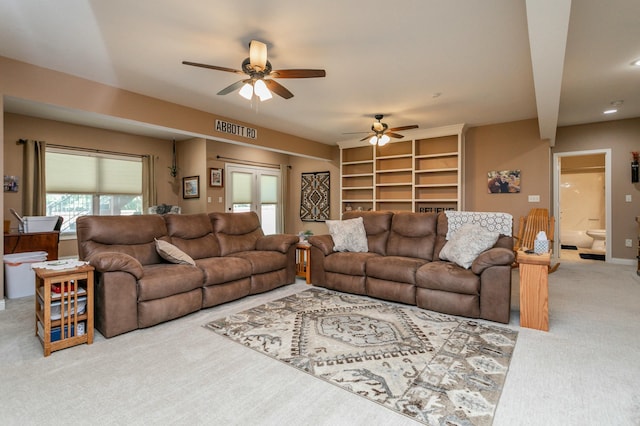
<point x="136" y="287"/>
<point x="403" y="265"/>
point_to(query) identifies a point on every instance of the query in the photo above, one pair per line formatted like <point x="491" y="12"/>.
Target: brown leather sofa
<point x="136" y="288"/>
<point x="403" y="265"/>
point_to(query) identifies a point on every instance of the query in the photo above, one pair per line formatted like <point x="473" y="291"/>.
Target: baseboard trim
<point x="620" y="261"/>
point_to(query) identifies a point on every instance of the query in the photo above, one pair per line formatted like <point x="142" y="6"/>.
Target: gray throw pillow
<point x="348" y="235"/>
<point x="467" y="243"/>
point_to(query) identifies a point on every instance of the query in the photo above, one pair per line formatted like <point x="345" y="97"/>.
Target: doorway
<point x="582" y="204"/>
<point x="255" y="189"/>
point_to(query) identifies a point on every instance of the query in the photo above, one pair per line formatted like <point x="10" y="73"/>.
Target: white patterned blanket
<point x="497" y="222"/>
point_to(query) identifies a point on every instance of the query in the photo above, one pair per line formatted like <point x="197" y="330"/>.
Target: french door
<point x="255" y="189"/>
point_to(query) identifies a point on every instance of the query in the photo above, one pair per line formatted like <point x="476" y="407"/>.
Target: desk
<point x="303" y="261"/>
<point x="34" y="241"/>
<point x="534" y="290"/>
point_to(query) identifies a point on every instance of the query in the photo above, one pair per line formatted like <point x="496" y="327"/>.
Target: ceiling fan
<point x="381" y="133"/>
<point x="257" y="67"/>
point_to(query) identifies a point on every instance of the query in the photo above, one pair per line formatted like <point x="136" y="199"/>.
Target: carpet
<point x="434" y="368"/>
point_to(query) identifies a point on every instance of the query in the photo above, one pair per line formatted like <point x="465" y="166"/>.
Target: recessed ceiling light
<point x="611" y="111"/>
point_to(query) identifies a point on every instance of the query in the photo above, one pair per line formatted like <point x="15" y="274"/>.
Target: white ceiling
<point x="425" y="62"/>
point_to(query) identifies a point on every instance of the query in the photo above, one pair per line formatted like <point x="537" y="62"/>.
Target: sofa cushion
<point x="394" y="268"/>
<point x="348" y="235"/>
<point x="220" y="270"/>
<point x="236" y="232"/>
<point x="165" y="280"/>
<point x="412" y="235"/>
<point x="193" y="234"/>
<point x="132" y="235"/>
<point x="447" y="277"/>
<point x="348" y="263"/>
<point x="263" y="261"/>
<point x="173" y="254"/>
<point x="377" y="225"/>
<point x="467" y="243"/>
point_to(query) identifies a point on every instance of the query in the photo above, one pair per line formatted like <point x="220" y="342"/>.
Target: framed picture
<point x="191" y="187"/>
<point x="503" y="181"/>
<point x="215" y="178"/>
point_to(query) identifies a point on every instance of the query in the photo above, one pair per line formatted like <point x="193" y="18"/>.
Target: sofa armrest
<point x="116" y="262"/>
<point x="323" y="242"/>
<point x="496" y="256"/>
<point x="276" y="242"/>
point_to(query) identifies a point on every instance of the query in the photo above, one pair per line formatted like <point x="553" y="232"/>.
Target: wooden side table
<point x="534" y="290"/>
<point x="75" y="284"/>
<point x="303" y="261"/>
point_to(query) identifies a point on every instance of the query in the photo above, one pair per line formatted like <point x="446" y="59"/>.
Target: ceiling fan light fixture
<point x="246" y="91"/>
<point x="260" y="89"/>
<point x="258" y="55"/>
<point x="373" y="140"/>
<point x="383" y="140"/>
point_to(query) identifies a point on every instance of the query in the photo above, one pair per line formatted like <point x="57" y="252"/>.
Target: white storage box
<point x="19" y="278"/>
<point x="55" y="307"/>
<point x="39" y="223"/>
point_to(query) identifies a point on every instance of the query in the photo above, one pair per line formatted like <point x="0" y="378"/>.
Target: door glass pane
<point x="242" y="187"/>
<point x="268" y="189"/>
<point x="268" y="218"/>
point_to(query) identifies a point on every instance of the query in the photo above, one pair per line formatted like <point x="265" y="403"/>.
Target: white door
<point x="255" y="189"/>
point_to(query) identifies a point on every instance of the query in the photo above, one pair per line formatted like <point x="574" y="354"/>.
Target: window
<point x="91" y="183"/>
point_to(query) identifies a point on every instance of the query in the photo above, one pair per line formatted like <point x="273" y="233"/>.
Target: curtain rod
<point x="97" y="151"/>
<point x="257" y="163"/>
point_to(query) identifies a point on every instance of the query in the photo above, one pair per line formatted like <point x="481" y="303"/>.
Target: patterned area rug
<point x="434" y="368"/>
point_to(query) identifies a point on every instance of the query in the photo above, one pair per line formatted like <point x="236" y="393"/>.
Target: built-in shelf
<point x="421" y="174"/>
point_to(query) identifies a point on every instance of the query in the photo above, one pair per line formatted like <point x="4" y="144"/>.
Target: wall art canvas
<point x="503" y="182"/>
<point x="314" y="198"/>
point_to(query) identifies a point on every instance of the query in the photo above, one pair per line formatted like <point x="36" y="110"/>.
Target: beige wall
<point x="622" y="137"/>
<point x="508" y="146"/>
<point x="301" y="165"/>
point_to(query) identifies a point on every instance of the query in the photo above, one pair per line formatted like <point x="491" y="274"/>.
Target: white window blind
<point x="269" y="189"/>
<point x="82" y="172"/>
<point x="242" y="188"/>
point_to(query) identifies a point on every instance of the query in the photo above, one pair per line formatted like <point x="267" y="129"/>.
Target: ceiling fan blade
<point x="212" y="67"/>
<point x="233" y="87"/>
<point x="394" y="135"/>
<point x="257" y="55"/>
<point x="298" y="73"/>
<point x="278" y="89"/>
<point x="367" y="137"/>
<point x="399" y="129"/>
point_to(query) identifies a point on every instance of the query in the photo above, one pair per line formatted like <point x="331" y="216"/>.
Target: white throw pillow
<point x="172" y="253"/>
<point x="348" y="235"/>
<point x="467" y="243"/>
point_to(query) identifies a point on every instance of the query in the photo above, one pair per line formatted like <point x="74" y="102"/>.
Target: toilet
<point x="599" y="239"/>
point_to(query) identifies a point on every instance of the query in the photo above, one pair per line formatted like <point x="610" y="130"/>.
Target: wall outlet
<point x="534" y="198"/>
<point x="628" y="242"/>
<point x="627" y="198"/>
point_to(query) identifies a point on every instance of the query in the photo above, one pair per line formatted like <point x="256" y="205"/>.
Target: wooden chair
<point x="537" y="220"/>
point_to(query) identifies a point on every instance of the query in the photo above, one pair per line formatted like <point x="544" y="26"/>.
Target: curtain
<point x="284" y="190"/>
<point x="149" y="190"/>
<point x="34" y="185"/>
